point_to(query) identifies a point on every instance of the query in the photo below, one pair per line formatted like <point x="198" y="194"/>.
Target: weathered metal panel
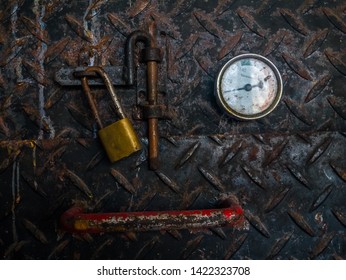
<point x="287" y="170"/>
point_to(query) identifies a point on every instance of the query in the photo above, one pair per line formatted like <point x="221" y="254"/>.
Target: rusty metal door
<point x="288" y="170"/>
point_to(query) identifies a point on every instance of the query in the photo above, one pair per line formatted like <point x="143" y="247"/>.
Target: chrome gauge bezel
<point x="225" y="106"/>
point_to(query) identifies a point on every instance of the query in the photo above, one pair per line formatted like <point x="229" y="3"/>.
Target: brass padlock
<point x="119" y="139"/>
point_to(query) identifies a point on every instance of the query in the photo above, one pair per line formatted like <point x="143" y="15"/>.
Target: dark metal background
<point x="288" y="170"/>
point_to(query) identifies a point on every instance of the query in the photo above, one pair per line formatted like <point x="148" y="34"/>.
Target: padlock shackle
<point x="106" y="79"/>
<point x="132" y="39"/>
<point x="91" y="101"/>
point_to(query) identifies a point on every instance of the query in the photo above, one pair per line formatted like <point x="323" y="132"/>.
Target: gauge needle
<point x="267" y="78"/>
<point x="247" y="87"/>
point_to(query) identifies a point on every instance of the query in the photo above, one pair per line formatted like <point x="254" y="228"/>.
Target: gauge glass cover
<point x="249" y="86"/>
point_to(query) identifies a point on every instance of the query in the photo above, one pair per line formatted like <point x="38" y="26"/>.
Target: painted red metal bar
<point x="74" y="220"/>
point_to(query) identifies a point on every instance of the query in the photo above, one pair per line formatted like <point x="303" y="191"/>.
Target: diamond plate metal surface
<point x="287" y="170"/>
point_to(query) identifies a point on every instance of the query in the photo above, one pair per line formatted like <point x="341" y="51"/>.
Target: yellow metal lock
<point x="119" y="139"/>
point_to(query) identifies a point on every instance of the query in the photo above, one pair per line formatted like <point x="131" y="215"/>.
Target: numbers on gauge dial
<point x="249" y="86"/>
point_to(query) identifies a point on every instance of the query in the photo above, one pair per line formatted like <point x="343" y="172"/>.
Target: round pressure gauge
<point x="248" y="87"/>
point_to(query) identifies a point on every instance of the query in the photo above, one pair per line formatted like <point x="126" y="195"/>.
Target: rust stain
<point x="338" y="106"/>
<point x="56" y="155"/>
<point x="172" y="140"/>
<point x="276" y="200"/>
<point x="314" y="42"/>
<point x="297" y="66"/>
<point x="79" y="29"/>
<point x="32" y="183"/>
<point x="99" y="249"/>
<point x="35" y="29"/>
<point x="14" y="247"/>
<point x="212" y="179"/>
<point x="322" y="244"/>
<point x="250" y="22"/>
<point x="187" y="155"/>
<point x="121" y="179"/>
<point x="94" y="8"/>
<point x="307" y="6"/>
<point x="188" y="45"/>
<point x="77" y="181"/>
<point x="340" y="215"/>
<point x="58" y="249"/>
<point x="95" y="160"/>
<point x="187" y="89"/>
<point x="319" y="150"/>
<point x="53" y="98"/>
<point x="318" y="87"/>
<point x="337" y="60"/>
<point x="10" y="52"/>
<point x="137" y="8"/>
<point x="56" y="49"/>
<point x="339" y="170"/>
<point x="35" y="70"/>
<point x="102" y="45"/>
<point x="335" y="19"/>
<point x="274" y="42"/>
<point x="168" y="181"/>
<point x="219" y="232"/>
<point x="294" y="21"/>
<point x="34" y="115"/>
<point x="165" y="25"/>
<point x="39" y="235"/>
<point x="223" y="6"/>
<point x="217" y="139"/>
<point x="189" y="198"/>
<point x="298" y="175"/>
<point x="254" y="176"/>
<point x="51" y="8"/>
<point x="119" y="24"/>
<point x="180" y="6"/>
<point x="172" y="65"/>
<point x="148" y="246"/>
<point x="206" y="64"/>
<point x="98" y="205"/>
<point x="279" y="245"/>
<point x="235" y="246"/>
<point x="191" y="246"/>
<point x="253" y="153"/>
<point x="321" y="198"/>
<point x="274" y="153"/>
<point x="12" y="7"/>
<point x="4" y="128"/>
<point x="80" y="116"/>
<point x="265" y="5"/>
<point x="2" y="35"/>
<point x="6" y="102"/>
<point x="256" y="222"/>
<point x="146" y="199"/>
<point x="301" y="222"/>
<point x="208" y="24"/>
<point x="298" y="110"/>
<point x="229" y="44"/>
<point x="176" y="234"/>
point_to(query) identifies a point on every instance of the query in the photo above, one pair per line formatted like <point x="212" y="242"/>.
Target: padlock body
<point x="119" y="139"/>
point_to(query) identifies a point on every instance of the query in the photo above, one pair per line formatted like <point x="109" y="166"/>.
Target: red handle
<point x="74" y="220"/>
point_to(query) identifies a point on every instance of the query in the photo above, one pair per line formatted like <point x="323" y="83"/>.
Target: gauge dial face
<point x="249" y="86"/>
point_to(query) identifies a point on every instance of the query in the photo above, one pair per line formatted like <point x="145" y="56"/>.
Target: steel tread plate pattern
<point x="287" y="170"/>
<point x="293" y="200"/>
